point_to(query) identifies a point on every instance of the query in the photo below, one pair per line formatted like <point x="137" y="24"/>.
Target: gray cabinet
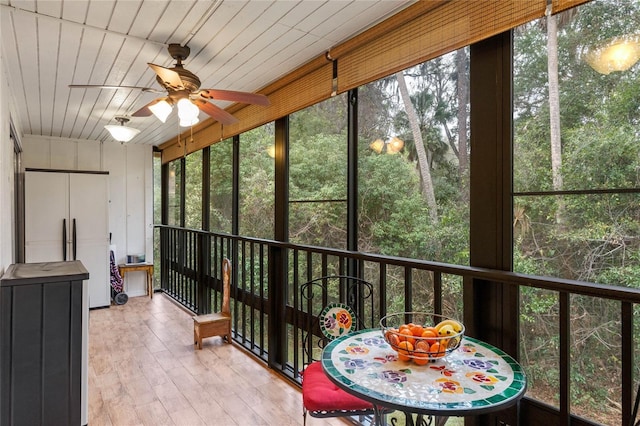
<point x="43" y="344"/>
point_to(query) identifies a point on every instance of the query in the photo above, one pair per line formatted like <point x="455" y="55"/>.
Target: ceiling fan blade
<point x="230" y="95"/>
<point x="97" y="86"/>
<point x="170" y="78"/>
<point x="145" y="111"/>
<point x="216" y="112"/>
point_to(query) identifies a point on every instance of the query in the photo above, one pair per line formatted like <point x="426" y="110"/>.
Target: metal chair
<point x="331" y="306"/>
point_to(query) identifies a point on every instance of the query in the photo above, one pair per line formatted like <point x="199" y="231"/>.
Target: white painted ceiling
<point x="235" y="45"/>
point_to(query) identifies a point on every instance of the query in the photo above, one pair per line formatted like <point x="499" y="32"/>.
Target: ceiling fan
<point x="183" y="90"/>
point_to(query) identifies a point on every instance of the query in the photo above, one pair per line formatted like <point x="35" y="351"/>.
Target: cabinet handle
<point x="75" y="237"/>
<point x="64" y="239"/>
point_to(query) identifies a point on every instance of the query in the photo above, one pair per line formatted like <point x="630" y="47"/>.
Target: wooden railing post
<point x="276" y="280"/>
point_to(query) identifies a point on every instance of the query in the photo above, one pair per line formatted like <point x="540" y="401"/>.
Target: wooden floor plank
<point x="145" y="370"/>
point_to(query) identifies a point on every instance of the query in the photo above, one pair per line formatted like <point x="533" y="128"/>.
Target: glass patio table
<point x="476" y="378"/>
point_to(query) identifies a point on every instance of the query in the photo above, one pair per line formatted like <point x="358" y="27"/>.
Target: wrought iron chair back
<point x="319" y="296"/>
<point x="332" y="305"/>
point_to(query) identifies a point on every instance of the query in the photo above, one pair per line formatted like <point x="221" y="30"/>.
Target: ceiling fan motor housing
<point x="190" y="81"/>
<point x="177" y="52"/>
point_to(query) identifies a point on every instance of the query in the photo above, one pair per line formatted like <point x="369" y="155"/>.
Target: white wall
<point x="131" y="207"/>
<point x="130" y="168"/>
<point x="7" y="233"/>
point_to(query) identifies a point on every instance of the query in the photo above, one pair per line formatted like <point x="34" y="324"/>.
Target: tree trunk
<point x="554" y="111"/>
<point x="463" y="100"/>
<point x="423" y="165"/>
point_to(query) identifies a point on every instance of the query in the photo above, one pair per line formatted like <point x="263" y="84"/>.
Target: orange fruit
<point x="417" y="330"/>
<point x="423" y="345"/>
<point x="406" y="336"/>
<point x="436" y="351"/>
<point x="427" y="332"/>
<point x="404" y="348"/>
<point x="432" y="329"/>
<point x="393" y="339"/>
<point x="420" y="357"/>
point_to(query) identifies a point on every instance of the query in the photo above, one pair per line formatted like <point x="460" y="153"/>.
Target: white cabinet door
<point x="46" y="210"/>
<point x="88" y="216"/>
<point x="80" y="201"/>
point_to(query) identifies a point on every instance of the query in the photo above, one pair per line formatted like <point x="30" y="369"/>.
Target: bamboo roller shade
<point x="423" y="31"/>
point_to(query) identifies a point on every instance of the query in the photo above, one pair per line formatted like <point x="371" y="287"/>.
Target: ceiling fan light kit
<point x="161" y="110"/>
<point x="187" y="112"/>
<point x="618" y="54"/>
<point x="183" y="90"/>
<point x="120" y="132"/>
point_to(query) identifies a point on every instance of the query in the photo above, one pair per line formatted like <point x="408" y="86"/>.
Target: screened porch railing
<point x="267" y="274"/>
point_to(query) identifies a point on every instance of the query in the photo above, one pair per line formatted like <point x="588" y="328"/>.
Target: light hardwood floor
<point x="145" y="370"/>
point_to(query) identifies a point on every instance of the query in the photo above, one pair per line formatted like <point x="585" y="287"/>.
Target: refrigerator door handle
<point x="64" y="239"/>
<point x="75" y="237"/>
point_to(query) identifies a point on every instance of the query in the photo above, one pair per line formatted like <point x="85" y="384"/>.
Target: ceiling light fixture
<point x="161" y="110"/>
<point x="121" y="133"/>
<point x="392" y="146"/>
<point x="377" y="145"/>
<point x="618" y="54"/>
<point x="187" y="112"/>
<point x="395" y="145"/>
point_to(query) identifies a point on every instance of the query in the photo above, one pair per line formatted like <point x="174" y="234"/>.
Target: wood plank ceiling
<point x="235" y="45"/>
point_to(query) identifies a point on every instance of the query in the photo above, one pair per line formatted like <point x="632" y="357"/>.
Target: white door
<point x="89" y="226"/>
<point x="46" y="216"/>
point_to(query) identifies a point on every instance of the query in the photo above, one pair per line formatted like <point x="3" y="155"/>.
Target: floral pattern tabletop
<point x="475" y="378"/>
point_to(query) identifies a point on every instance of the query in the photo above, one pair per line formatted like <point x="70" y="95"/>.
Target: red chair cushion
<point x="320" y="394"/>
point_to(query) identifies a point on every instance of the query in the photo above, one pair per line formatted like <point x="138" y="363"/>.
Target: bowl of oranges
<point x="421" y="337"/>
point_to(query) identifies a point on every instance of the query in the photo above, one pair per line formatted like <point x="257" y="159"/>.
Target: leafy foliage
<point x="598" y="238"/>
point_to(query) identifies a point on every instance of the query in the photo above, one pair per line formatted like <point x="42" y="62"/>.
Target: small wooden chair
<point x="217" y="323"/>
